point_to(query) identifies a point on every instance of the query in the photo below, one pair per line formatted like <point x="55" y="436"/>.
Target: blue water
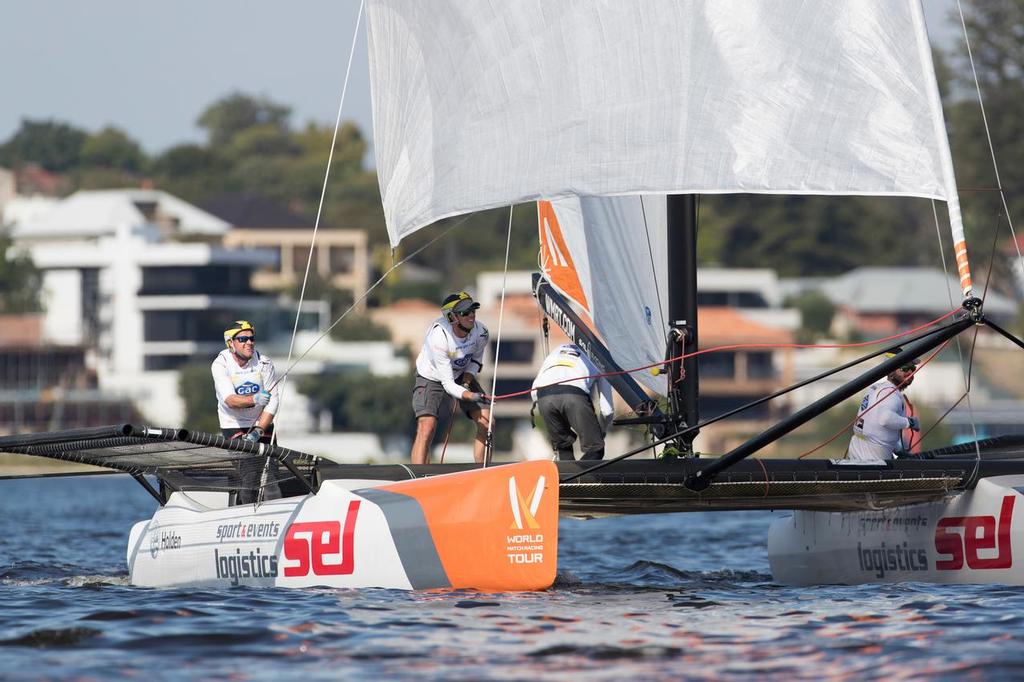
<point x="654" y="597"/>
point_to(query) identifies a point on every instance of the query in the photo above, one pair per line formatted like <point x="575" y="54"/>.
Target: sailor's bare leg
<point x="425" y="427"/>
<point x="481" y="418"/>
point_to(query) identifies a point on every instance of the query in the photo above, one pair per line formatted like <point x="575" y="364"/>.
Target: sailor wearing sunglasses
<point x="446" y="370"/>
<point x="244" y="381"/>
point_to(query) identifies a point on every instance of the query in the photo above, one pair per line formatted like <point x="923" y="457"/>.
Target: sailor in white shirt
<point x="881" y="418"/>
<point x="244" y="381"/>
<point x="446" y="370"/>
<point x="562" y="391"/>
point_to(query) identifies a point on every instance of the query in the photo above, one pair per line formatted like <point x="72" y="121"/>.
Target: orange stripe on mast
<point x="963" y="267"/>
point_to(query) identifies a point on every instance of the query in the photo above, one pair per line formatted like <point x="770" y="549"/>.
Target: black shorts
<point x="429" y="399"/>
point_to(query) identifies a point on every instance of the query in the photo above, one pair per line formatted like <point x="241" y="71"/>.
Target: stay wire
<point x="323" y="193"/>
<point x="497" y="344"/>
<point x="737" y="347"/>
<point x="988" y="136"/>
<point x="737" y="410"/>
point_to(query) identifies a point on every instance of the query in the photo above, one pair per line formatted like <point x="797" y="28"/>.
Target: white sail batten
<point x="479" y="104"/>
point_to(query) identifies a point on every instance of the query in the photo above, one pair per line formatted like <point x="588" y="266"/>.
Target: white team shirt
<point x="568" y="365"/>
<point x="876" y="433"/>
<point x="445" y="356"/>
<point x="231" y="379"/>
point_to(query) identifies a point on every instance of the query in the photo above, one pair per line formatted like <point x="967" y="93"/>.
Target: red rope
<point x="876" y="404"/>
<point x="733" y="347"/>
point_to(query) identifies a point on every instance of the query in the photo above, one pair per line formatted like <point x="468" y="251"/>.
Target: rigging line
<point x="725" y="415"/>
<point x="938" y="421"/>
<point x="650" y="252"/>
<point x="988" y="134"/>
<point x="984" y="293"/>
<point x="735" y="347"/>
<point x="323" y="193"/>
<point x="497" y="341"/>
<point x="366" y="293"/>
<point x="878" y="401"/>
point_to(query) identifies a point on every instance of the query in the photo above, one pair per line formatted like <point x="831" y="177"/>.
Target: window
<point x="343" y="259"/>
<point x="156" y="363"/>
<point x="186" y="280"/>
<point x="760" y="366"/>
<point x="513" y="351"/>
<point x="300" y="254"/>
<point x="717" y="365"/>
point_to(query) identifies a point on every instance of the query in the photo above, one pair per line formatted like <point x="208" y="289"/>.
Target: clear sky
<point x="151" y="67"/>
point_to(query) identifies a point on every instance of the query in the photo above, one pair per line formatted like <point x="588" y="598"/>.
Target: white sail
<point x="608" y="256"/>
<point x="480" y="104"/>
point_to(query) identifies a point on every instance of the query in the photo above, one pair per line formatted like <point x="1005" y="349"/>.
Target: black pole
<point x="725" y="415"/>
<point x="1005" y="333"/>
<point x="683" y="376"/>
<point x="700" y="480"/>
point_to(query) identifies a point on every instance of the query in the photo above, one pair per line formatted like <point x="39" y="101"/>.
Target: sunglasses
<point x="466" y="314"/>
<point x="245" y="339"/>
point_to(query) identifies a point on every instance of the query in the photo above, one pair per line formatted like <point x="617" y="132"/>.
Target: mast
<point x="683" y="379"/>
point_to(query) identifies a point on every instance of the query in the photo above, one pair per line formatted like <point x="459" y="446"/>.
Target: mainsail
<point x="479" y="104"/>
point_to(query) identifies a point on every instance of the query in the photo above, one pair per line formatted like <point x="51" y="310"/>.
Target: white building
<point x="139" y="278"/>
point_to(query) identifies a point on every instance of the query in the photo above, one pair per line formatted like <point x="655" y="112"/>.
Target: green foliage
<point x="54" y="146"/>
<point x="363" y="402"/>
<point x="359" y="328"/>
<point x="112" y="148"/>
<point x="995" y="31"/>
<point x="816" y="311"/>
<point x="195" y="385"/>
<point x="20" y="281"/>
<point x="230" y="115"/>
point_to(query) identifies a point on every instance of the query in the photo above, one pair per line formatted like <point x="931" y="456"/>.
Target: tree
<point x="112" y="148"/>
<point x="195" y="386"/>
<point x="364" y="402"/>
<point x="995" y="31"/>
<point x="816" y="311"/>
<point x="54" y="146"/>
<point x="230" y="115"/>
<point x="191" y="172"/>
<point x="20" y="281"/>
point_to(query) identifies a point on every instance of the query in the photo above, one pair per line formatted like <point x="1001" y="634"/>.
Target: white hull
<point x="976" y="536"/>
<point x="491" y="529"/>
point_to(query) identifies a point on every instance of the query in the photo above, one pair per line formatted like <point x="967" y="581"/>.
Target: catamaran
<point x="613" y="117"/>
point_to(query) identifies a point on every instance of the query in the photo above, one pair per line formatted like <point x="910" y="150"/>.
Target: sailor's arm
<point x="442" y="364"/>
<point x="225" y="390"/>
<point x="889" y="412"/>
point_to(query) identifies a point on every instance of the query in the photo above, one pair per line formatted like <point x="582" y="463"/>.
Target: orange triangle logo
<point x="556" y="261"/>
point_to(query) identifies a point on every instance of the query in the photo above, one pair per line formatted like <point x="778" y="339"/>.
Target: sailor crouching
<point x="882" y="417"/>
<point x="562" y="391"/>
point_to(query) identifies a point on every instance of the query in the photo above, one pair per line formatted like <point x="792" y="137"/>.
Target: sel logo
<point x="523" y="514"/>
<point x="315" y="546"/>
<point x="979" y="533"/>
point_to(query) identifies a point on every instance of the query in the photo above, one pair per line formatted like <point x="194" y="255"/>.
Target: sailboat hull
<point x="973" y="536"/>
<point x="494" y="529"/>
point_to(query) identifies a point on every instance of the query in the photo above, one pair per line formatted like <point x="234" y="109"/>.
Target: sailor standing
<point x="446" y="370"/>
<point x="567" y="407"/>
<point x="881" y="418"/>
<point x="244" y="381"/>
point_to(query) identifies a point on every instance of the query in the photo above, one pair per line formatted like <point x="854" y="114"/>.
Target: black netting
<point x="179" y="459"/>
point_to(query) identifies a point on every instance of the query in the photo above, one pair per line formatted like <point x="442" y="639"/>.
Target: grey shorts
<point x="429" y="399"/>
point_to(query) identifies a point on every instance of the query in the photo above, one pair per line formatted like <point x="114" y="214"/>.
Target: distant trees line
<point x="252" y="146"/>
